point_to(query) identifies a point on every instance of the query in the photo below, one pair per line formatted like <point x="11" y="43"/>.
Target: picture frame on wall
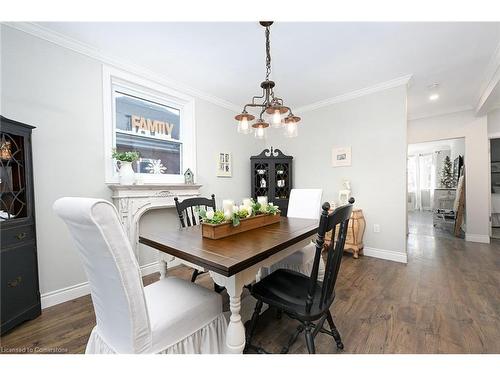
<point x="341" y="156"/>
<point x="224" y="164"/>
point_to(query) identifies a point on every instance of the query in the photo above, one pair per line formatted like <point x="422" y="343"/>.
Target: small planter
<point x="216" y="231"/>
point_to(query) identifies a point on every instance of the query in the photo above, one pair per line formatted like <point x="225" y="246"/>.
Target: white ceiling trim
<point x="491" y="79"/>
<point x="87" y="50"/>
<point x="404" y="80"/>
<point x="440" y="113"/>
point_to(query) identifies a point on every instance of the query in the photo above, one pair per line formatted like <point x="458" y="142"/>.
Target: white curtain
<point x="421" y="181"/>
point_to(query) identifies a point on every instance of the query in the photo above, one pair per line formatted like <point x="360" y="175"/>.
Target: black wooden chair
<point x="304" y="297"/>
<point x="189" y="216"/>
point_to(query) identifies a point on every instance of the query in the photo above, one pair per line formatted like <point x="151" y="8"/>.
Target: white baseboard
<point x="71" y="292"/>
<point x="482" y="238"/>
<point x="385" y="254"/>
<point x="65" y="294"/>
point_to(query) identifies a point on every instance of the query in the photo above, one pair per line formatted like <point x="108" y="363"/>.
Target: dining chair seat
<point x="187" y="306"/>
<point x="287" y="290"/>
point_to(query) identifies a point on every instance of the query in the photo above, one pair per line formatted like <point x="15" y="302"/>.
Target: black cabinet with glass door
<point x="272" y="177"/>
<point x="20" y="295"/>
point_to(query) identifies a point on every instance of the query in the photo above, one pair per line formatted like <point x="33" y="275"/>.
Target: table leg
<point x="235" y="335"/>
<point x="163" y="264"/>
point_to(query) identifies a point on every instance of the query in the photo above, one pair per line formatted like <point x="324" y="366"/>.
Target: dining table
<point x="233" y="261"/>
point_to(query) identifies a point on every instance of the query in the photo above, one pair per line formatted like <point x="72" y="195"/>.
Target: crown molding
<point x="92" y="52"/>
<point x="491" y="79"/>
<point x="400" y="81"/>
<point x="449" y="111"/>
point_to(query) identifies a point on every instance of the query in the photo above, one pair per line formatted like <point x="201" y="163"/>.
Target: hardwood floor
<point x="445" y="300"/>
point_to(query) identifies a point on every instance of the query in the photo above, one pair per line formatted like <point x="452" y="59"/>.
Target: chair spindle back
<point x="188" y="209"/>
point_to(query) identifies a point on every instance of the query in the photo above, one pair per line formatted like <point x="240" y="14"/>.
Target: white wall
<point x="494" y="123"/>
<point x="474" y="129"/>
<point x="375" y="127"/>
<point x="60" y="92"/>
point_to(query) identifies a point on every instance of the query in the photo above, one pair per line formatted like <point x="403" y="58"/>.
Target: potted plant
<point x="125" y="160"/>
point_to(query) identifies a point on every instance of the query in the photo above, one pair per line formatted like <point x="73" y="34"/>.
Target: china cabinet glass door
<point x="13" y="204"/>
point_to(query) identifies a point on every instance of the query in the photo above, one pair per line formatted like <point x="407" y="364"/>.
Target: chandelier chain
<point x="268" y="54"/>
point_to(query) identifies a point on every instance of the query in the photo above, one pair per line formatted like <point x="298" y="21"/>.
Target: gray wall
<point x="375" y="127"/>
<point x="60" y="92"/>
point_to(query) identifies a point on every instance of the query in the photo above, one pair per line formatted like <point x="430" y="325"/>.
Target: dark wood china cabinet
<point x="20" y="295"/>
<point x="272" y="177"/>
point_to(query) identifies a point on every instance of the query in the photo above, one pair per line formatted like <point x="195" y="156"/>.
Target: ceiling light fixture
<point x="433" y="89"/>
<point x="271" y="105"/>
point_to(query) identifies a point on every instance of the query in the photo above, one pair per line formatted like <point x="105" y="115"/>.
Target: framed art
<point x="341" y="156"/>
<point x="224" y="164"/>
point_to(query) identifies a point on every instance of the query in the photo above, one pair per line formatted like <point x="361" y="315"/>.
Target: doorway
<point x="495" y="186"/>
<point x="435" y="191"/>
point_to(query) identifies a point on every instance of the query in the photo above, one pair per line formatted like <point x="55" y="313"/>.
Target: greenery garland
<point x="218" y="216"/>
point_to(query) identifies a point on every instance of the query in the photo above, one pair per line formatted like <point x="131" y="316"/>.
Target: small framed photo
<point x="341" y="156"/>
<point x="224" y="164"/>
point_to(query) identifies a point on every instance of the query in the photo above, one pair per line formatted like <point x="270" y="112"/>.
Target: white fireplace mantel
<point x="132" y="201"/>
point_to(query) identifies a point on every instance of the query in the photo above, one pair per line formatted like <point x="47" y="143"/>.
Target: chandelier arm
<point x="262" y="112"/>
<point x="259" y="97"/>
<point x="252" y="105"/>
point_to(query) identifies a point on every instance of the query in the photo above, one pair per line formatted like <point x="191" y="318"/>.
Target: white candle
<point x="227" y="206"/>
<point x="247" y="202"/>
<point x="262" y="201"/>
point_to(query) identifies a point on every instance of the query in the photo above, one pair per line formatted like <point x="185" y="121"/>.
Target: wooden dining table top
<point x="230" y="255"/>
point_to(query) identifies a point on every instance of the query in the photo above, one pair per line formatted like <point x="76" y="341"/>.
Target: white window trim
<point x="149" y="90"/>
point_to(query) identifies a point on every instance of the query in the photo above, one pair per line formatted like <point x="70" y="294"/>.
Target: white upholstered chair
<point x="304" y="204"/>
<point x="168" y="316"/>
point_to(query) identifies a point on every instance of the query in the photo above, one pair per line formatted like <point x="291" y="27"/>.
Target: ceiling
<point x="311" y="61"/>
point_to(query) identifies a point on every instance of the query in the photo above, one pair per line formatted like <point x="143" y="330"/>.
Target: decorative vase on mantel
<point x="126" y="173"/>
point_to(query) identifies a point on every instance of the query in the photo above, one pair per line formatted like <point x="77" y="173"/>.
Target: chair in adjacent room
<point x="169" y="316"/>
<point x="303" y="204"/>
<point x="302" y="297"/>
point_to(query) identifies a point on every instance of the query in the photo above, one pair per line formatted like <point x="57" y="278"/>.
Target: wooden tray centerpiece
<point x="220" y="224"/>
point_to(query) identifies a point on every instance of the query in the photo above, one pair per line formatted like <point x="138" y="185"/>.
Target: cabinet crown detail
<point x="267" y="153"/>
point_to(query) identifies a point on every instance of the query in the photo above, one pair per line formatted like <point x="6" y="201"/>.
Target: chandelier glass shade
<point x="244" y="123"/>
<point x="277" y="114"/>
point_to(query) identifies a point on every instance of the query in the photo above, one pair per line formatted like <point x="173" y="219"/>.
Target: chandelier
<point x="279" y="115"/>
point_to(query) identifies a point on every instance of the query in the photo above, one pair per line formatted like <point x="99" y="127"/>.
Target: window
<point x="152" y="120"/>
